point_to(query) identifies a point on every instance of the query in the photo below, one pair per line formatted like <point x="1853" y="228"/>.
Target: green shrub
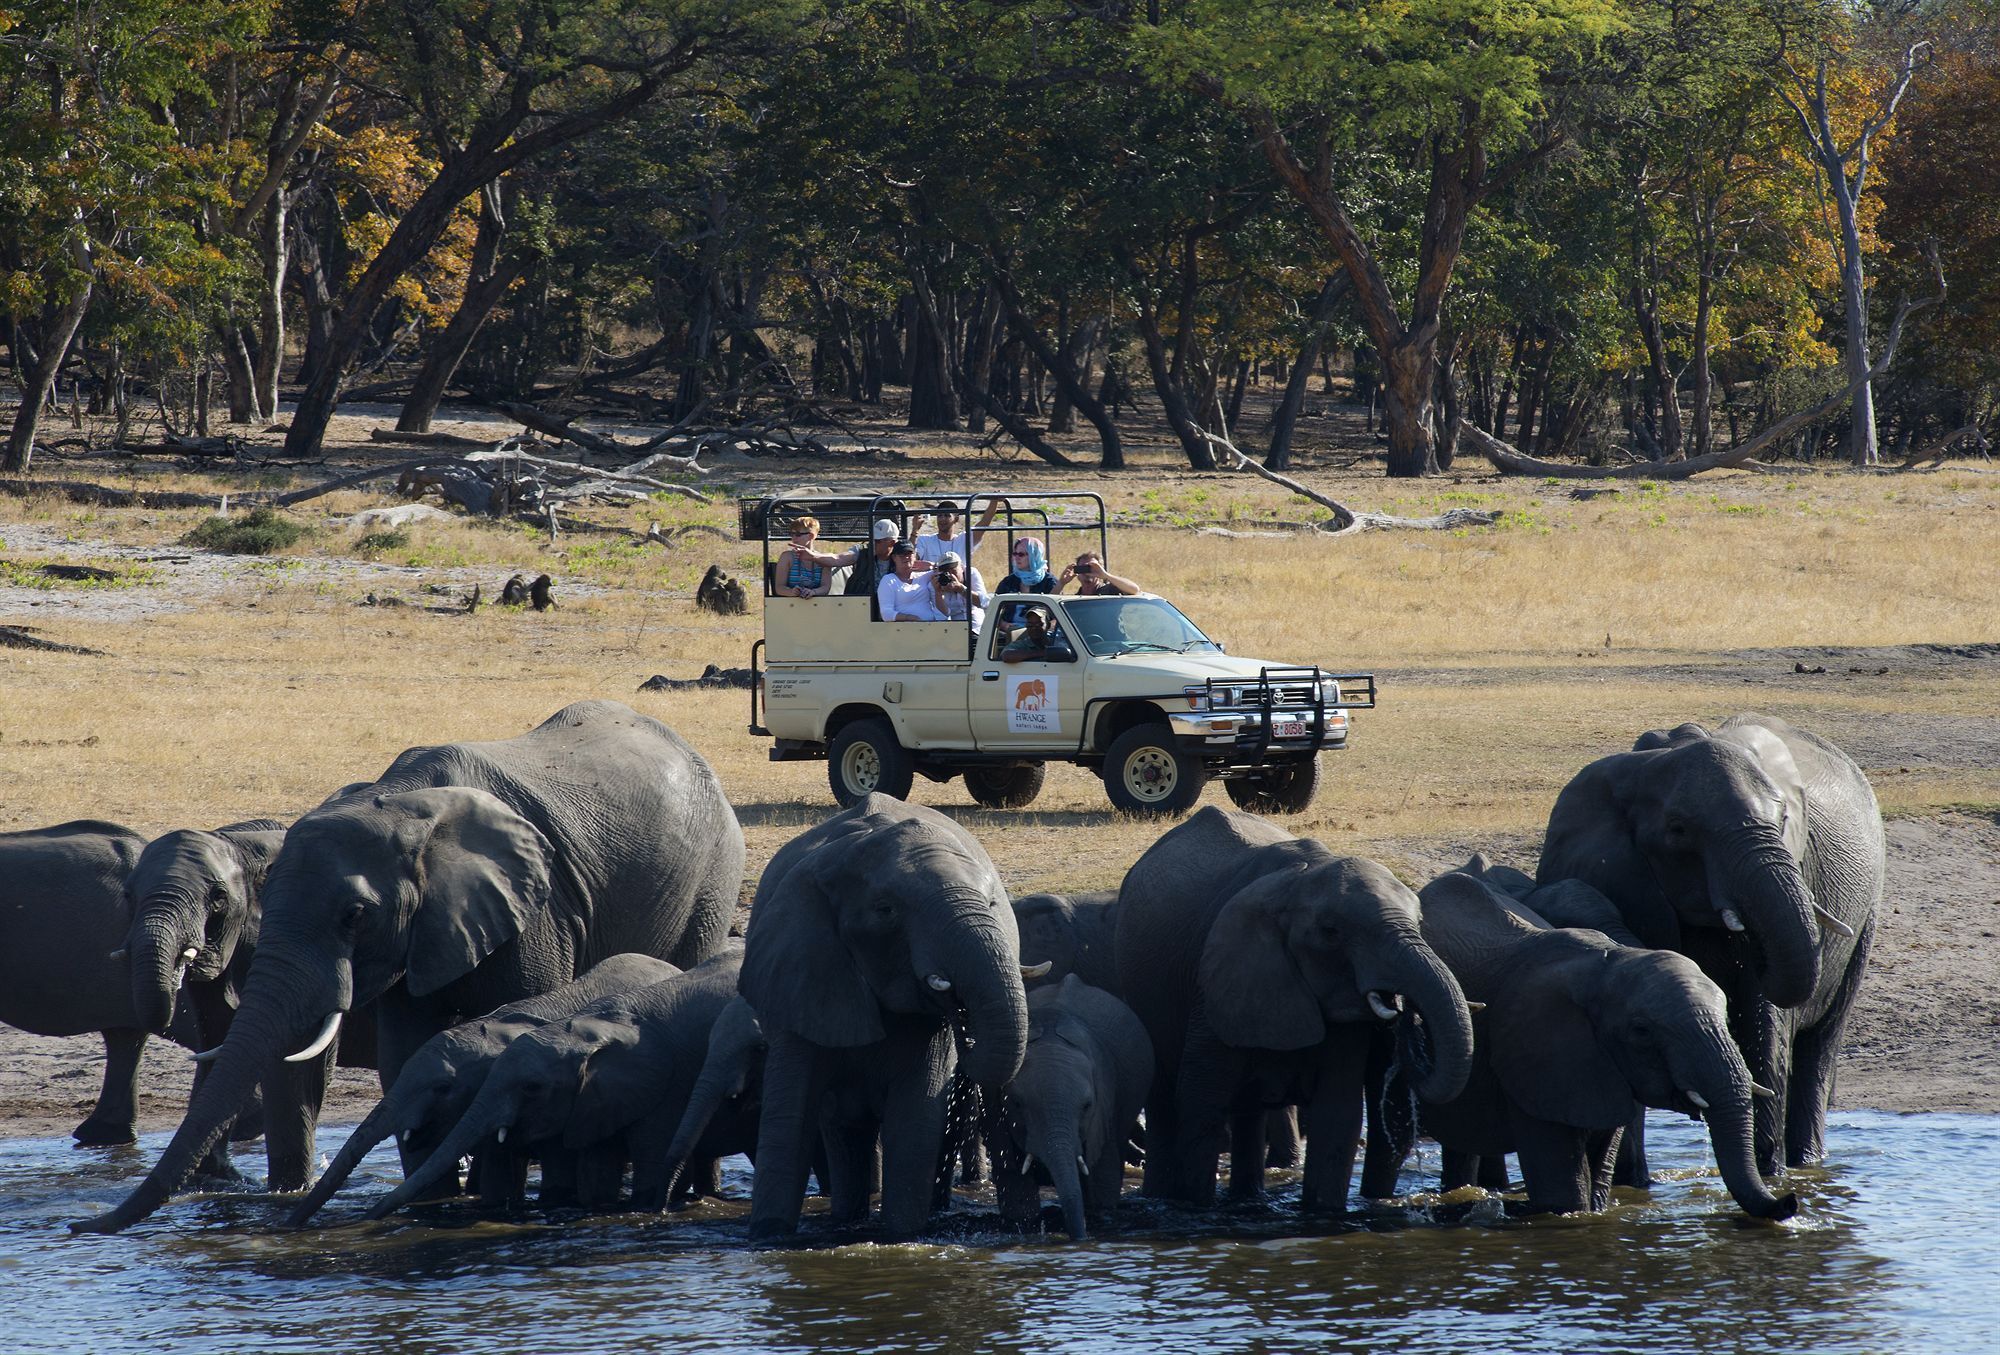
<point x="375" y="543"/>
<point x="260" y="532"/>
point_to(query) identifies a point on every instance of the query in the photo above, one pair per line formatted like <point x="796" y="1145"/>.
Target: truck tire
<point x="1285" y="789"/>
<point x="1010" y="786"/>
<point x="1146" y="772"/>
<point x="865" y="757"/>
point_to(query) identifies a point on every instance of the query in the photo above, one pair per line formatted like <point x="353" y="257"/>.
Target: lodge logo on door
<point x="1032" y="706"/>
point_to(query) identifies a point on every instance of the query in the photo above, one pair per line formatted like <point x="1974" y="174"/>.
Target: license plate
<point x="1288" y="729"/>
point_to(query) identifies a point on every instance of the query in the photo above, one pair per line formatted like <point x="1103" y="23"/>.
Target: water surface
<point x="1892" y="1251"/>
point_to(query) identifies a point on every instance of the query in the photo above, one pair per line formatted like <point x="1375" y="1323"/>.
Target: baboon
<point x="538" y="593"/>
<point x="717" y="592"/>
<point x="514" y="592"/>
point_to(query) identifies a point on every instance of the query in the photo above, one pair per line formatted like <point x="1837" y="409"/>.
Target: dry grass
<point x="1497" y="682"/>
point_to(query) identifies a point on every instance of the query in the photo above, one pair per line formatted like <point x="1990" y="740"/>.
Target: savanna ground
<point x="1861" y="606"/>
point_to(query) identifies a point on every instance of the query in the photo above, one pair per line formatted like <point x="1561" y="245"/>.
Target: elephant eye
<point x="351" y="919"/>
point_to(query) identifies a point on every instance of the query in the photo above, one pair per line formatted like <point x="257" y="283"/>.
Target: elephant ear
<point x="482" y="873"/>
<point x="797" y="970"/>
<point x="1669" y="738"/>
<point x="613" y="1087"/>
<point x="1252" y="991"/>
<point x="1544" y="1045"/>
<point x="1592" y="838"/>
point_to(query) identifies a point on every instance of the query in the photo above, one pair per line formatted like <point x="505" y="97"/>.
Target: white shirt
<point x="975" y="587"/>
<point x="913" y="599"/>
<point x="931" y="546"/>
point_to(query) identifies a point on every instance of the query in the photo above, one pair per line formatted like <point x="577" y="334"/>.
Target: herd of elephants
<point x="530" y="940"/>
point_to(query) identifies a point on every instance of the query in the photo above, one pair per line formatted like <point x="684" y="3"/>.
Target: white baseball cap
<point x="885" y="530"/>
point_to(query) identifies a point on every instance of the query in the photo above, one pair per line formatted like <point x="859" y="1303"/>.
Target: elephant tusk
<point x="118" y="954"/>
<point x="1082" y="1166"/>
<point x="320" y="1042"/>
<point x="1027" y="1164"/>
<point x="1832" y="923"/>
<point x="1386" y="1010"/>
<point x="1694" y="1096"/>
<point x="500" y="1134"/>
<point x="187" y="956"/>
<point x="404" y="1137"/>
<point x="1731" y="920"/>
<point x="1763" y="1092"/>
<point x="1472" y="1006"/>
<point x="938" y="982"/>
<point x="209" y="1055"/>
<point x="1036" y="971"/>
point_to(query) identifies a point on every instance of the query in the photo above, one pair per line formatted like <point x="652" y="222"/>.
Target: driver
<point x="1037" y="642"/>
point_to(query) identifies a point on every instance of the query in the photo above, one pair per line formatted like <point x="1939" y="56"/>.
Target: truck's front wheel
<point x="864" y="758"/>
<point x="1146" y="772"/>
<point x="1286" y="789"/>
<point x="1009" y="787"/>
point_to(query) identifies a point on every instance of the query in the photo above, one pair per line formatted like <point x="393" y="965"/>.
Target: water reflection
<point x="1889" y="1253"/>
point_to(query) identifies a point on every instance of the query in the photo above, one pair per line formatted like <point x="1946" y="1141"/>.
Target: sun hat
<point x="885" y="530"/>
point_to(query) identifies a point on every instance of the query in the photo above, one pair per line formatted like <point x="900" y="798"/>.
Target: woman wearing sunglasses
<point x="1030" y="568"/>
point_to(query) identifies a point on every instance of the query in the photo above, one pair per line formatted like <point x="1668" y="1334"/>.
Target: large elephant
<point x="63" y="970"/>
<point x="871" y="938"/>
<point x="1267" y="971"/>
<point x="1757" y="851"/>
<point x="440" y="1080"/>
<point x="1065" y="1117"/>
<point x="604" y="1087"/>
<point x="467" y="876"/>
<point x="1573" y="1035"/>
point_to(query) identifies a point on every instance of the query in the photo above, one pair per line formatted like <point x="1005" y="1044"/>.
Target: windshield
<point x="1119" y="625"/>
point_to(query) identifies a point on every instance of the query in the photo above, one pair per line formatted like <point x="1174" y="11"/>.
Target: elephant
<point x="1562" y="903"/>
<point x="875" y="941"/>
<point x="439" y="1081"/>
<point x="1065" y="1117"/>
<point x="467" y="876"/>
<point x="1074" y="933"/>
<point x="606" y="1086"/>
<point x="1267" y="972"/>
<point x="1575" y="1033"/>
<point x="111" y="933"/>
<point x="727" y="1101"/>
<point x="1757" y="851"/>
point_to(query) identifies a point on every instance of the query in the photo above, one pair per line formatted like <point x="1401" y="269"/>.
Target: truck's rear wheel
<point x="864" y="758"/>
<point x="1286" y="789"/>
<point x="1006" y="787"/>
<point x="1146" y="772"/>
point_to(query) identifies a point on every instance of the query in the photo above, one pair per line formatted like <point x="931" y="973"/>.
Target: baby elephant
<point x="727" y="1101"/>
<point x="438" y="1082"/>
<point x="1577" y="1032"/>
<point x="1073" y="933"/>
<point x="1064" y="1119"/>
<point x="588" y="1094"/>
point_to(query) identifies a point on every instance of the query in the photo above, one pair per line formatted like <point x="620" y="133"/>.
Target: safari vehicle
<point x="1126" y="685"/>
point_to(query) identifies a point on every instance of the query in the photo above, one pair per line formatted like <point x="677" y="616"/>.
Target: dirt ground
<point x="1925" y="1036"/>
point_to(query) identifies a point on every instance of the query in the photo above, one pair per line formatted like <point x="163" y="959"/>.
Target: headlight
<point x="1197" y="695"/>
<point x="1330" y="690"/>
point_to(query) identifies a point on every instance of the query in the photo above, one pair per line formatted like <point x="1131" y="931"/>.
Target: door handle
<point x="989" y="677"/>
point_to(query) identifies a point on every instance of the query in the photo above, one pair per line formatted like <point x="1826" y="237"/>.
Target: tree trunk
<point x="487" y="281"/>
<point x="1069" y="382"/>
<point x="1284" y="420"/>
<point x="40" y="377"/>
<point x="1196" y="448"/>
<point x="933" y="402"/>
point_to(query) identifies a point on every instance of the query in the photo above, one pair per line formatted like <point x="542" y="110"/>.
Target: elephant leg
<point x="502" y="1177"/>
<point x="600" y="1176"/>
<point x="1281" y="1133"/>
<point x="1106" y="1183"/>
<point x="1333" y="1126"/>
<point x="1555" y="1166"/>
<point x="1490" y="1171"/>
<point x="1632" y="1168"/>
<point x="1246" y="1154"/>
<point x="1210" y="1074"/>
<point x="1814" y="1054"/>
<point x="1158" y="1139"/>
<point x="787" y="1134"/>
<point x="560" y="1179"/>
<point x="914" y="1115"/>
<point x="116" y="1116"/>
<point x="1754" y="1024"/>
<point x="1459" y="1170"/>
<point x="293" y="1093"/>
<point x="646" y="1145"/>
<point x="850" y="1160"/>
<point x="1602" y="1147"/>
<point x="1392" y="1133"/>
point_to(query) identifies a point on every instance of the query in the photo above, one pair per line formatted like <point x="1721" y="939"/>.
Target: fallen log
<point x="1347" y="521"/>
<point x="426" y="439"/>
<point x="23" y="637"/>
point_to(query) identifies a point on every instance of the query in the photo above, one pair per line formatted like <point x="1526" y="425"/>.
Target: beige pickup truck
<point x="1124" y="685"/>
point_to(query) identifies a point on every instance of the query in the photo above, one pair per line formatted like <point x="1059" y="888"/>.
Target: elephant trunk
<point x="1060" y="1150"/>
<point x="380" y="1124"/>
<point x="1753" y="875"/>
<point x="1717" y="1075"/>
<point x="733" y="1045"/>
<point x="163" y="930"/>
<point x="985" y="974"/>
<point x="491" y="1111"/>
<point x="1422" y="978"/>
<point x="279" y="1013"/>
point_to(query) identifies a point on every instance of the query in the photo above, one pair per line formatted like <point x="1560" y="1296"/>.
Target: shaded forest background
<point x="1604" y="231"/>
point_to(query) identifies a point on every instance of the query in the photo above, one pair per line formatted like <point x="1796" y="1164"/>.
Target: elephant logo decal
<point x="1032" y="705"/>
